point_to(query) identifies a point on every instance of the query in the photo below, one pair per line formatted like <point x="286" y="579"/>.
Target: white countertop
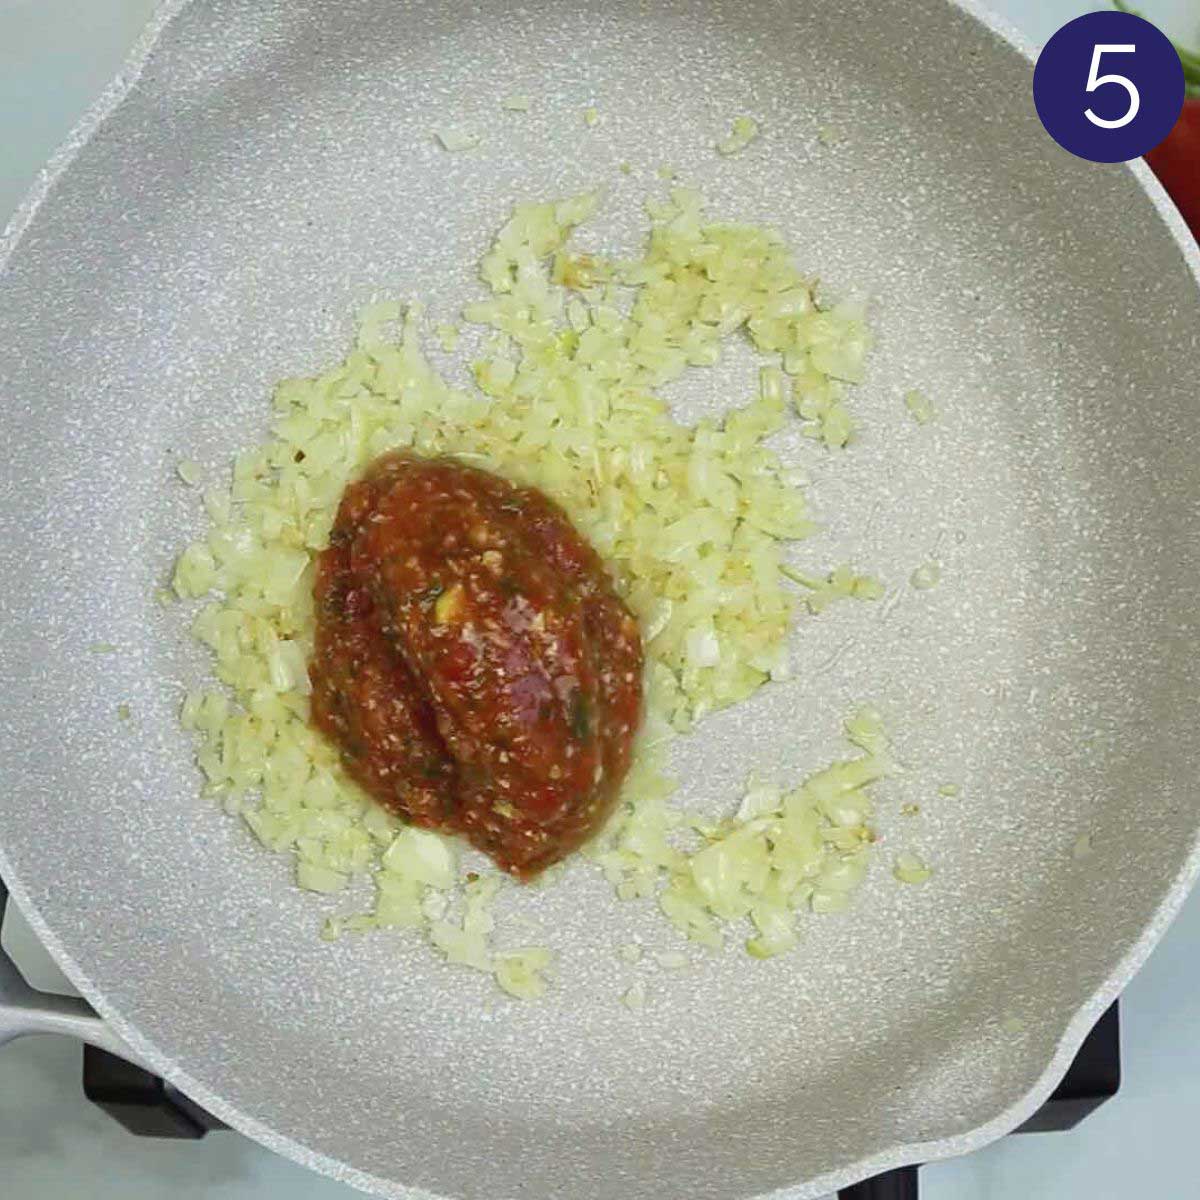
<point x="55" y="57"/>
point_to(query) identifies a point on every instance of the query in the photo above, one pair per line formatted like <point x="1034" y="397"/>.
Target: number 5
<point x="1095" y="81"/>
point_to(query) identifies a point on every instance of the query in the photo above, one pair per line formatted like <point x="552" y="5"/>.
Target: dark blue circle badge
<point x="1108" y="86"/>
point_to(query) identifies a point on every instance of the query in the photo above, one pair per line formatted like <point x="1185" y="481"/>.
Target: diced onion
<point x="741" y="133"/>
<point x="521" y="973"/>
<point x="910" y="869"/>
<point x="319" y="879"/>
<point x="635" y="997"/>
<point x="927" y="575"/>
<point x="693" y="520"/>
<point x="456" y="140"/>
<point x="919" y="407"/>
<point x="841" y="584"/>
<point x="189" y="471"/>
<point x="422" y="855"/>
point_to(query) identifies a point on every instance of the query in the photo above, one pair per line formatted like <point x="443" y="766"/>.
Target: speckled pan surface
<point x="270" y="169"/>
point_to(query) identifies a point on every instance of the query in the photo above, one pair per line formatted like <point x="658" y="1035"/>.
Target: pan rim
<point x="897" y="1155"/>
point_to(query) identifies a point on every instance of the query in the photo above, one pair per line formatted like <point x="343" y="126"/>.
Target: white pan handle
<point x="23" y="1010"/>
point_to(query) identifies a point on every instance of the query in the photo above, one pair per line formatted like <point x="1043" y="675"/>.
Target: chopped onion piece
<point x="910" y="869"/>
<point x="635" y="997"/>
<point x="741" y="133"/>
<point x="927" y="575"/>
<point x="702" y="647"/>
<point x="825" y="901"/>
<point x="460" y="947"/>
<point x="770" y="385"/>
<point x="919" y="407"/>
<point x="195" y="572"/>
<point x="319" y="879"/>
<point x="189" y="472"/>
<point x="521" y="973"/>
<point x="842" y="583"/>
<point x="422" y="855"/>
<point x="456" y="140"/>
<point x="760" y="800"/>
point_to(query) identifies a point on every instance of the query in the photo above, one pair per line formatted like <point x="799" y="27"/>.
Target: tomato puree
<point x="473" y="662"/>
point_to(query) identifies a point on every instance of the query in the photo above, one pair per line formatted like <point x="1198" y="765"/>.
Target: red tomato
<point x="1176" y="162"/>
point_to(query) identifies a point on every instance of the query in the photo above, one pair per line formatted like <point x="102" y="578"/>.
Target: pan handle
<point x="24" y="1010"/>
<point x="900" y="1184"/>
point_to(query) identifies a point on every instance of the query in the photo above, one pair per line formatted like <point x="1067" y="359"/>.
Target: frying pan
<point x="259" y="172"/>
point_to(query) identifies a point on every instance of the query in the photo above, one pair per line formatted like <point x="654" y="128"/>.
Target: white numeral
<point x="1095" y="81"/>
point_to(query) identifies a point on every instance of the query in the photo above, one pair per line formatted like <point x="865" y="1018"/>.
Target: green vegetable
<point x="1189" y="58"/>
<point x="580" y="717"/>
